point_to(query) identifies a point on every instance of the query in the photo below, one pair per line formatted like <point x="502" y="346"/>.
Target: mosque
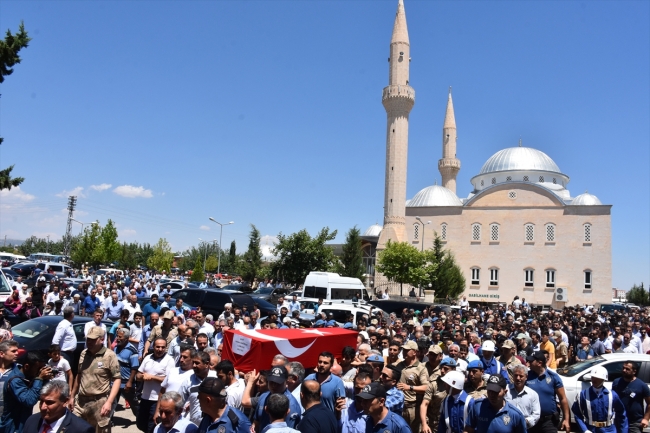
<point x="519" y="232"/>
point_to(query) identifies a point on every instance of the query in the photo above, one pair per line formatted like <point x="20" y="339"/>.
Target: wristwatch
<point x="411" y="387"/>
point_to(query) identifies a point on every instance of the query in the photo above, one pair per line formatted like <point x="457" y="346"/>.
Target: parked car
<point x="24" y="269"/>
<point x="31" y="281"/>
<point x="175" y="285"/>
<point x="36" y="335"/>
<point x="395" y="306"/>
<point x="244" y="288"/>
<point x="212" y="301"/>
<point x="10" y="273"/>
<point x="270" y="294"/>
<point x="59" y="269"/>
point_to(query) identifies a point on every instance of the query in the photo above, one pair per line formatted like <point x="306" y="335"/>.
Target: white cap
<point x="455" y="379"/>
<point x="599" y="373"/>
<point x="488" y="346"/>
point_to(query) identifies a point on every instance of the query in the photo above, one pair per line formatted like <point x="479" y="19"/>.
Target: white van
<point x="331" y="286"/>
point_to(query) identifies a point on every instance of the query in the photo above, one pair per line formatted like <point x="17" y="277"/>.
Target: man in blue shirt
<point x="127" y="356"/>
<point x="494" y="414"/>
<point x="218" y="416"/>
<point x="91" y="303"/>
<point x="548" y="385"/>
<point x="598" y="409"/>
<point x="633" y="392"/>
<point x="277" y="382"/>
<point x="380" y="419"/>
<point x="152" y="307"/>
<point x="490" y="364"/>
<point x="349" y="412"/>
<point x="331" y="386"/>
<point x="317" y="418"/>
<point x="113" y="308"/>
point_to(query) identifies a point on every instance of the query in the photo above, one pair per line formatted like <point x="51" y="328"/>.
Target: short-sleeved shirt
<point x="415" y="375"/>
<point x="318" y="418"/>
<point x="63" y="365"/>
<point x="175" y="379"/>
<point x="545" y="386"/>
<point x="190" y="392"/>
<point x="97" y="372"/>
<point x="330" y="389"/>
<point x="395" y="400"/>
<point x="128" y="359"/>
<point x="168" y="335"/>
<point x="550" y="348"/>
<point x="392" y="423"/>
<point x="209" y="426"/>
<point x="157" y="367"/>
<point x="633" y="395"/>
<point x="584" y="353"/>
<point x="292" y="419"/>
<point x="484" y="418"/>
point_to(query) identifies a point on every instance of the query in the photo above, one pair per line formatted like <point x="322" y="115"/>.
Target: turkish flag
<point x="250" y="349"/>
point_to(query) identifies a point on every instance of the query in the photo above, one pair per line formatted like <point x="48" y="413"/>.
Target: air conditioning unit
<point x="561" y="294"/>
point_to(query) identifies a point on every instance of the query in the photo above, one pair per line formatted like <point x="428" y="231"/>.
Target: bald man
<point x="337" y="370"/>
<point x="317" y="417"/>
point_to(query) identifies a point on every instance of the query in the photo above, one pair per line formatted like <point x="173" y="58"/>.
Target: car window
<point x="192" y="297"/>
<point x="215" y="300"/>
<point x="56" y="268"/>
<point x="79" y="331"/>
<point x="30" y="329"/>
<point x="579" y="367"/>
<point x="614" y="370"/>
<point x="41" y="266"/>
<point x="338" y="315"/>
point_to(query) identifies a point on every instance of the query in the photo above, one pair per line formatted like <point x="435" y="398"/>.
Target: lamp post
<point x="220" y="236"/>
<point x="82" y="224"/>
<point x="423" y="224"/>
<point x="205" y="255"/>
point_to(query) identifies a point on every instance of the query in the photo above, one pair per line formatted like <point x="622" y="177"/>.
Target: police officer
<point x="494" y="413"/>
<point x="455" y="406"/>
<point x="218" y="416"/>
<point x="599" y="410"/>
<point x="433" y="396"/>
<point x="490" y="364"/>
<point x="475" y="385"/>
<point x="380" y="419"/>
<point x="548" y="385"/>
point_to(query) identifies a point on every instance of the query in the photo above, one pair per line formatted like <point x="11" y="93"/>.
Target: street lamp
<point x="220" y="234"/>
<point x="423" y="224"/>
<point x="205" y="255"/>
<point x="82" y="224"/>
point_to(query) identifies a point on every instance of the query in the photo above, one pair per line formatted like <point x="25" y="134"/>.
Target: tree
<point x="403" y="263"/>
<point x="85" y="249"/>
<point x="212" y="263"/>
<point x="162" y="257"/>
<point x="9" y="57"/>
<point x="252" y="260"/>
<point x="448" y="279"/>
<point x="350" y="264"/>
<point x="40" y="245"/>
<point x="108" y="248"/>
<point x="197" y="273"/>
<point x="299" y="253"/>
<point x="638" y="295"/>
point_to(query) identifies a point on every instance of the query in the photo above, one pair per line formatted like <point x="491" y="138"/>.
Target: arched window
<point x="494" y="232"/>
<point x="541" y="179"/>
<point x="550" y="278"/>
<point x="525" y="178"/>
<point x="494" y="277"/>
<point x="587" y="279"/>
<point x="443" y="231"/>
<point x="508" y="178"/>
<point x="476" y="274"/>
<point x="587" y="232"/>
<point x="494" y="181"/>
<point x="529" y="277"/>
<point x="550" y="232"/>
<point x="529" y="233"/>
<point x="476" y="232"/>
<point x="416" y="231"/>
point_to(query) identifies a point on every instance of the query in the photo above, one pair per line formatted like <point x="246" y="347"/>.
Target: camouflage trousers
<point x="89" y="409"/>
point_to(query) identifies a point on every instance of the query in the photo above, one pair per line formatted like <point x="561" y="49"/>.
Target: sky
<point x="161" y="114"/>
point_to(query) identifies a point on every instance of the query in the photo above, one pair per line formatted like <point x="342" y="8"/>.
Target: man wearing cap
<point x="349" y="412"/>
<point x="380" y="419"/>
<point x="377" y="364"/>
<point x="598" y="409"/>
<point x="413" y="383"/>
<point x="508" y="358"/>
<point x="521" y="396"/>
<point x="455" y="406"/>
<point x="277" y="383"/>
<point x="434" y="356"/>
<point x="92" y="397"/>
<point x="475" y="386"/>
<point x="548" y="385"/>
<point x="167" y="331"/>
<point x="494" y="413"/>
<point x="332" y="386"/>
<point x="490" y="364"/>
<point x="435" y="393"/>
<point x="390" y="375"/>
<point x="218" y="417"/>
<point x="561" y="350"/>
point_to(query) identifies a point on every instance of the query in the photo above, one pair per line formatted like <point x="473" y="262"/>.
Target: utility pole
<point x="72" y="203"/>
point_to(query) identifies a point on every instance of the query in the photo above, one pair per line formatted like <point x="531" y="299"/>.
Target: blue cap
<point x="450" y="362"/>
<point x="475" y="364"/>
<point x="331" y="323"/>
<point x="375" y="358"/>
<point x="319" y="322"/>
<point x="348" y="325"/>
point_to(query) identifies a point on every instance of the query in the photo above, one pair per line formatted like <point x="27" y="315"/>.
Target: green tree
<point x="350" y="264"/>
<point x="108" y="248"/>
<point x="143" y="253"/>
<point x="252" y="260"/>
<point x="197" y="273"/>
<point x="298" y="254"/>
<point x="448" y="280"/>
<point x="9" y="48"/>
<point x="638" y="295"/>
<point x="162" y="257"/>
<point x="85" y="250"/>
<point x="212" y="263"/>
<point x="404" y="264"/>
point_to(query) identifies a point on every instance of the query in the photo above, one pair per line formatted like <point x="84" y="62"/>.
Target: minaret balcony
<point x="449" y="163"/>
<point x="398" y="91"/>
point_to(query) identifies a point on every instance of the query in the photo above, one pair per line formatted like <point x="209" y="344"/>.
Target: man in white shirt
<point x="64" y="335"/>
<point x="136" y="328"/>
<point x="523" y="397"/>
<point x="179" y="374"/>
<point x="204" y="326"/>
<point x="234" y="387"/>
<point x="132" y="306"/>
<point x="153" y="370"/>
<point x="97" y="321"/>
<point x="190" y="388"/>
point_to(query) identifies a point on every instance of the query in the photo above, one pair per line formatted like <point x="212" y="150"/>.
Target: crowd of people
<point x="474" y="369"/>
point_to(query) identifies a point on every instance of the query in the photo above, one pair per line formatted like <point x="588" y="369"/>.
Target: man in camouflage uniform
<point x="508" y="358"/>
<point x="434" y="395"/>
<point x="433" y="361"/>
<point x="413" y="383"/>
<point x="475" y="386"/>
<point x="167" y="331"/>
<point x="92" y="397"/>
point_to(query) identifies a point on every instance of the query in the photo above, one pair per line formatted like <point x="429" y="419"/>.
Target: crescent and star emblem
<point x="284" y="345"/>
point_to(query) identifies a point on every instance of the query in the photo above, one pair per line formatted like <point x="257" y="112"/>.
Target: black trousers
<point x="544" y="426"/>
<point x="69" y="356"/>
<point x="145" y="422"/>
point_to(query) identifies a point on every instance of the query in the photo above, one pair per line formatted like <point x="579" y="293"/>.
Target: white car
<point x="578" y="376"/>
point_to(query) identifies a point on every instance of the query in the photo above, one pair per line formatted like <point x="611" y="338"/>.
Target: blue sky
<point x="162" y="114"/>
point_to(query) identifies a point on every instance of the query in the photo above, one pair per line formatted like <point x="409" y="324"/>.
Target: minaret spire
<point x="449" y="165"/>
<point x="398" y="99"/>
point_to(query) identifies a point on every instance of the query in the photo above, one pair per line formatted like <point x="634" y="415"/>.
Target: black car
<point x="10" y="273"/>
<point x="31" y="281"/>
<point x="270" y="294"/>
<point x="212" y="301"/>
<point x="391" y="306"/>
<point x="24" y="269"/>
<point x="36" y="335"/>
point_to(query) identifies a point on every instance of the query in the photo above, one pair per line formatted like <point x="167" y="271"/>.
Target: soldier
<point x="413" y="384"/>
<point x="598" y="409"/>
<point x="508" y="358"/>
<point x="435" y="393"/>
<point x="475" y="385"/>
<point x="92" y="397"/>
<point x="455" y="406"/>
<point x="167" y="331"/>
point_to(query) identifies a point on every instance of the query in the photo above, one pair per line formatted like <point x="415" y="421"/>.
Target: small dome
<point x="373" y="231"/>
<point x="586" y="199"/>
<point x="435" y="195"/>
<point x="519" y="158"/>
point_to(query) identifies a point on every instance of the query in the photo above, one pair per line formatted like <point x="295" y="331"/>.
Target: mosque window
<point x="550" y="232"/>
<point x="587" y="232"/>
<point x="443" y="231"/>
<point x="550" y="278"/>
<point x="508" y="178"/>
<point x="482" y="183"/>
<point x="494" y="181"/>
<point x="528" y="277"/>
<point x="494" y="277"/>
<point x="512" y="195"/>
<point x="476" y="232"/>
<point x="494" y="232"/>
<point x="554" y="180"/>
<point x="416" y="231"/>
<point x="541" y="179"/>
<point x="529" y="232"/>
<point x="587" y="279"/>
<point x="476" y="273"/>
<point x="526" y="179"/>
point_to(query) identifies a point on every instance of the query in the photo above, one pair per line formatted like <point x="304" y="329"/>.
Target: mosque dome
<point x="373" y="231"/>
<point x="435" y="195"/>
<point x="519" y="158"/>
<point x="586" y="199"/>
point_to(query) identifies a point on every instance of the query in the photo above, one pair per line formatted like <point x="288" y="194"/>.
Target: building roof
<point x="373" y="231"/>
<point x="519" y="158"/>
<point x="586" y="199"/>
<point x="434" y="195"/>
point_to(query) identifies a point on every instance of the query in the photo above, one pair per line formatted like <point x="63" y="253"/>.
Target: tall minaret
<point x="449" y="165"/>
<point x="398" y="99"/>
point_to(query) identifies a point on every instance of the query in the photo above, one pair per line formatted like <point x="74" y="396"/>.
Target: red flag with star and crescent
<point x="250" y="349"/>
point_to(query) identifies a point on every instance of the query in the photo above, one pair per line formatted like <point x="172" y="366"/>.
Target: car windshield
<point x="579" y="367"/>
<point x="263" y="291"/>
<point x="29" y="329"/>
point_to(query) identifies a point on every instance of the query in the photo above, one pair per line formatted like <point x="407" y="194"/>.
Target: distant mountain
<point x="14" y="242"/>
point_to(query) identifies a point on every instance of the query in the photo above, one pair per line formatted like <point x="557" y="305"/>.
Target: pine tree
<point x="197" y="273"/>
<point x="350" y="263"/>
